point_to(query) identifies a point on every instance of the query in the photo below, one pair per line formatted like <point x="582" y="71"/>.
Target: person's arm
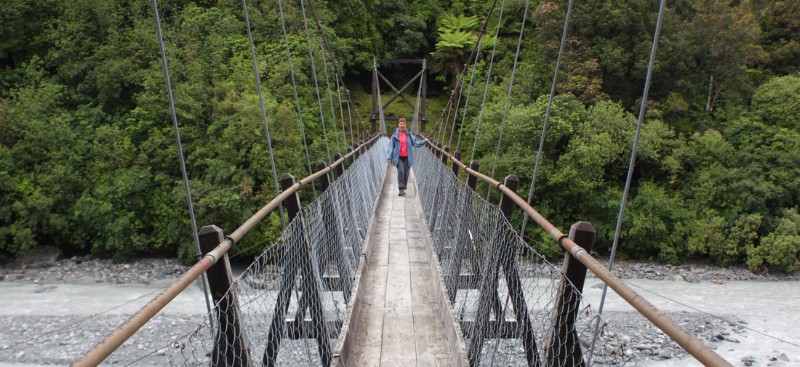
<point x="416" y="142"/>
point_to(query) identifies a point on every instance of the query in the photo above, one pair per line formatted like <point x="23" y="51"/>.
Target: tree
<point x="457" y="37"/>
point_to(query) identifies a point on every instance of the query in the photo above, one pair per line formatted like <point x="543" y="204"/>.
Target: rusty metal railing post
<point x="562" y="347"/>
<point x="230" y="343"/>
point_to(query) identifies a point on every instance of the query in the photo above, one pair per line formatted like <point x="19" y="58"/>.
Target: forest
<point x="89" y="161"/>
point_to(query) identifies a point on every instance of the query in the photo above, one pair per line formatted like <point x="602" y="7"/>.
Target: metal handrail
<point x="123" y="332"/>
<point x="688" y="342"/>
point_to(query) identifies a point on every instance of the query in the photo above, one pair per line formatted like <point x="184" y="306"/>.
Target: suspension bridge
<point x="363" y="277"/>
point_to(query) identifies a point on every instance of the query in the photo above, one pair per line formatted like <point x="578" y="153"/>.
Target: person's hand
<point x="388" y="161"/>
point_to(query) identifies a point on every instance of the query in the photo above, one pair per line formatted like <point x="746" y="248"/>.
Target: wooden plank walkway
<point x="397" y="318"/>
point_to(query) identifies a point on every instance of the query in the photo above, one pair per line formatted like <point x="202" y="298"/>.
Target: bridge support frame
<point x="310" y="289"/>
<point x="502" y="255"/>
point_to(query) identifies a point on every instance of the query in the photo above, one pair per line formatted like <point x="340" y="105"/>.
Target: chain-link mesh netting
<point x="287" y="307"/>
<point x="514" y="307"/>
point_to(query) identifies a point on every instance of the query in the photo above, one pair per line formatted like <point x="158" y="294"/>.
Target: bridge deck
<point x="398" y="323"/>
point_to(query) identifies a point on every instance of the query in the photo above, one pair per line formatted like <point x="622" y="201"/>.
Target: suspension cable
<point x="510" y="89"/>
<point x="459" y="89"/>
<point x="547" y="113"/>
<point x="488" y="79"/>
<point x="263" y="108"/>
<point x="476" y="55"/>
<point x="341" y="110"/>
<point x="330" y="95"/>
<point x="294" y="85"/>
<point x="339" y="80"/>
<point x="316" y="83"/>
<point x="631" y="164"/>
<point x="177" y="131"/>
<point x="323" y="46"/>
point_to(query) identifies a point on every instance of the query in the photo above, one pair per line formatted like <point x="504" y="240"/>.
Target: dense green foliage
<point x="89" y="162"/>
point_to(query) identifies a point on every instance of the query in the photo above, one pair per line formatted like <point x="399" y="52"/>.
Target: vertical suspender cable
<point x="330" y="96"/>
<point x="466" y="101"/>
<point x="350" y="115"/>
<point x="296" y="96"/>
<point x="316" y="83"/>
<point x="459" y="89"/>
<point x="337" y="76"/>
<point x="510" y="89"/>
<point x="341" y="110"/>
<point x="180" y="147"/>
<point x="327" y="77"/>
<point x="631" y="165"/>
<point x="547" y="113"/>
<point x="263" y="109"/>
<point x="476" y="53"/>
<point x="488" y="79"/>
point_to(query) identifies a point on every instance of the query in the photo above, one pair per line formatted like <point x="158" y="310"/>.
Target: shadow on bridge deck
<point x="400" y="315"/>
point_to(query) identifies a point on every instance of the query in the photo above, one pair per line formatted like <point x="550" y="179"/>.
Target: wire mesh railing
<point x="514" y="306"/>
<point x="288" y="306"/>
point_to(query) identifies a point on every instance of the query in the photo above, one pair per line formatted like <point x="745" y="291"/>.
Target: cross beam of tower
<point x="378" y="107"/>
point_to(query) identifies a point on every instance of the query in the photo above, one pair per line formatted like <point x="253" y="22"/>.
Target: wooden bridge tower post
<point x="373" y="119"/>
<point x="230" y="344"/>
<point x="563" y="346"/>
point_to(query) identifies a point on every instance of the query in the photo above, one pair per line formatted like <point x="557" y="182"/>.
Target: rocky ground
<point x="44" y="340"/>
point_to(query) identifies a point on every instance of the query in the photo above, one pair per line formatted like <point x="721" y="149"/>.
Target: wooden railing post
<point x="338" y="170"/>
<point x="472" y="181"/>
<point x="445" y="156"/>
<point x="230" y="343"/>
<point x="457" y="156"/>
<point x="349" y="159"/>
<point x="563" y="347"/>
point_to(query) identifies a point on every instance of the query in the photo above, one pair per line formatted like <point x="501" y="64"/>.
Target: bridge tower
<point x="419" y="107"/>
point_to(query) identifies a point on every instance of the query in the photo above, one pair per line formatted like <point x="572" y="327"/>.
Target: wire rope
<point x="316" y="83"/>
<point x="263" y="108"/>
<point x="476" y="54"/>
<point x="337" y="75"/>
<point x="328" y="89"/>
<point x="631" y="164"/>
<point x="341" y="110"/>
<point x="459" y="90"/>
<point x="488" y="79"/>
<point x="327" y="79"/>
<point x="547" y="112"/>
<point x="177" y="131"/>
<point x="508" y="95"/>
<point x="296" y="96"/>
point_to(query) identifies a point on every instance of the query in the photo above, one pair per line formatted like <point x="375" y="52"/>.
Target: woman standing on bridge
<point x="400" y="155"/>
